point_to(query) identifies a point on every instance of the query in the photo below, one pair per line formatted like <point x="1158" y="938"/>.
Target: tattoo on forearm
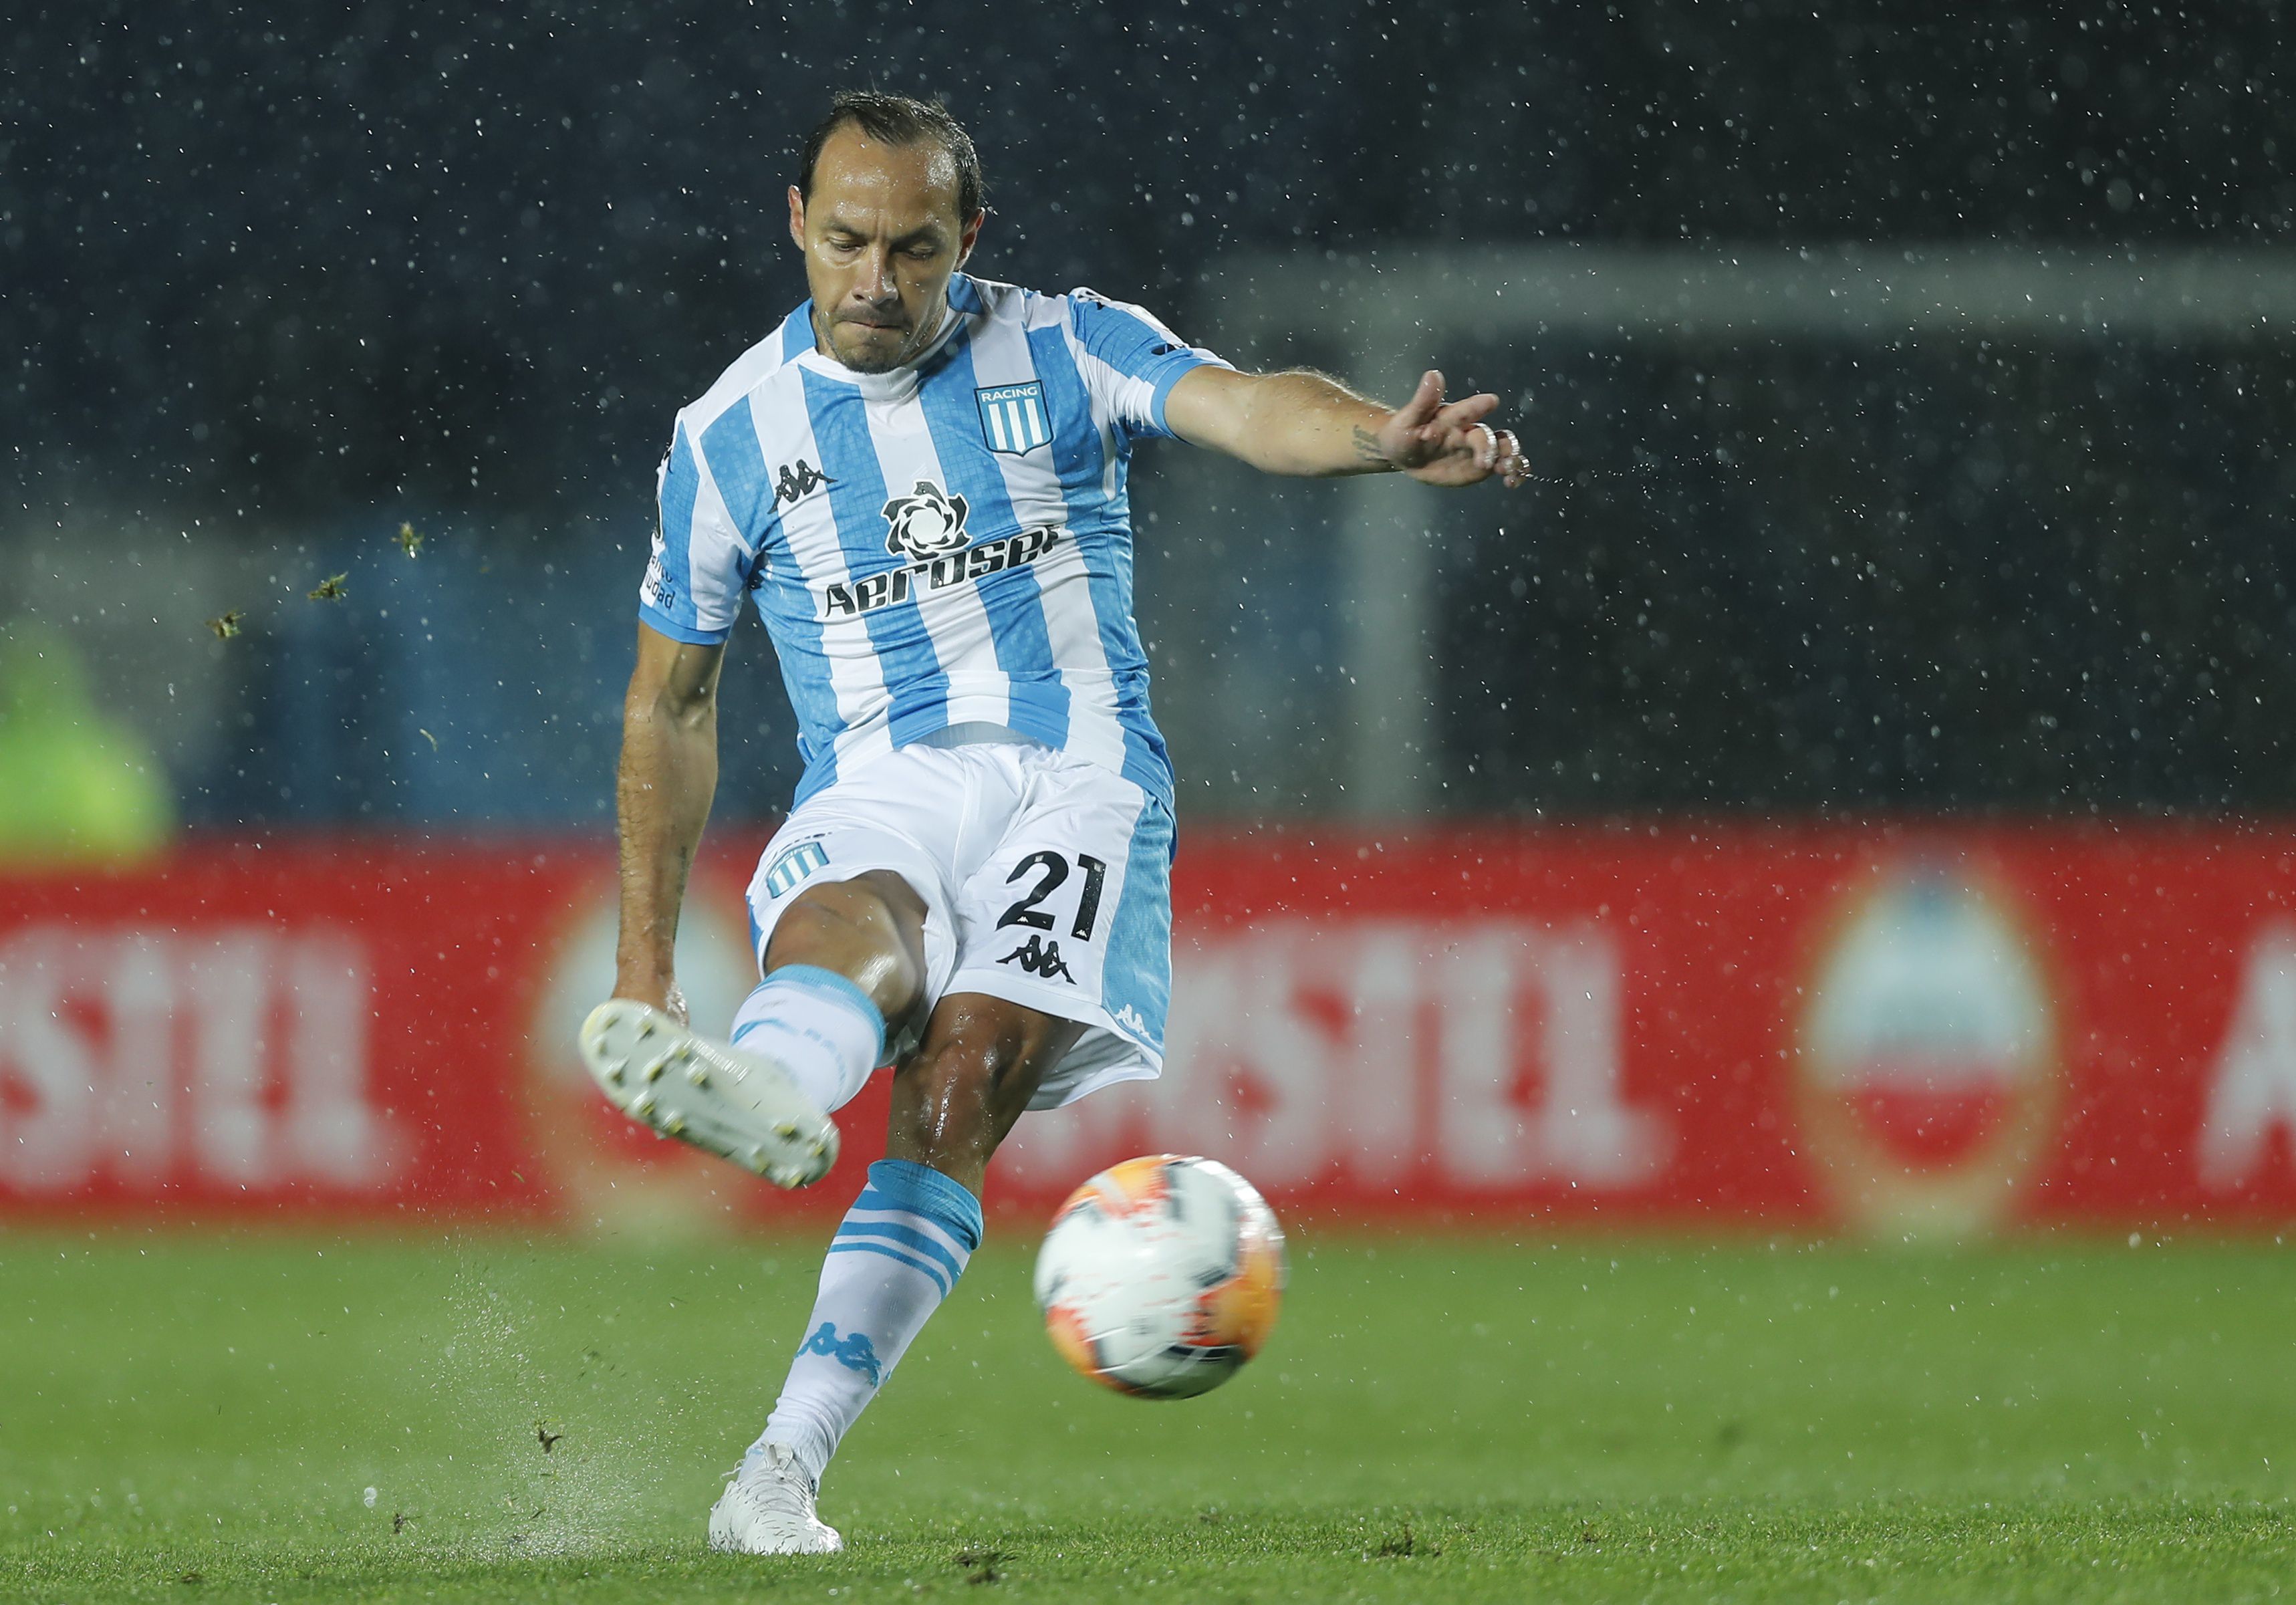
<point x="1367" y="448"/>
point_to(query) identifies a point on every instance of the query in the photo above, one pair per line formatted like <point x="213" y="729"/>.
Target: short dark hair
<point x="895" y="120"/>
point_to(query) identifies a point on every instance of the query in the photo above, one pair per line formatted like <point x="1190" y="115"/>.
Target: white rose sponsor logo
<point x="928" y="526"/>
<point x="926" y="522"/>
<point x="1928" y="1053"/>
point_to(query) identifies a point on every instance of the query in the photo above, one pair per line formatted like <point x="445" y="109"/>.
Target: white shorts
<point x="1046" y="881"/>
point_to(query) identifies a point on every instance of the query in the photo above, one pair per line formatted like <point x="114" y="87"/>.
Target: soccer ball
<point x="1160" y="1277"/>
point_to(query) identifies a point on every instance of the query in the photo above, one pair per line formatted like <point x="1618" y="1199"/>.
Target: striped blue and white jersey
<point x="947" y="543"/>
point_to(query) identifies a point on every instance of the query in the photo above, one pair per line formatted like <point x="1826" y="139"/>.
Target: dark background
<point x="286" y="276"/>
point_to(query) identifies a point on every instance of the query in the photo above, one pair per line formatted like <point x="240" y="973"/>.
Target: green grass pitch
<point x="200" y="1417"/>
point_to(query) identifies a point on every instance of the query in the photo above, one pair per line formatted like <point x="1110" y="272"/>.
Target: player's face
<point x="881" y="238"/>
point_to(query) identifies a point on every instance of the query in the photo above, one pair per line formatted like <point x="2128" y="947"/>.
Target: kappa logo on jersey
<point x="799" y="482"/>
<point x="926" y="522"/>
<point x="794" y="865"/>
<point x="1040" y="957"/>
<point x="1012" y="417"/>
<point x="840" y="599"/>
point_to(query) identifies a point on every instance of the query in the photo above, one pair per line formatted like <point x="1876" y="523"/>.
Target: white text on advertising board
<point x="140" y="1057"/>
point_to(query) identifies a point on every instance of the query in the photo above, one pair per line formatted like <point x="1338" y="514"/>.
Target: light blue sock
<point x="895" y="1257"/>
<point x="818" y="1025"/>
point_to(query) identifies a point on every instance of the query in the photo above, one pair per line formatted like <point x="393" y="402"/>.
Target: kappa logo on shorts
<point x="794" y="865"/>
<point x="1129" y="1018"/>
<point x="1040" y="957"/>
<point x="1012" y="418"/>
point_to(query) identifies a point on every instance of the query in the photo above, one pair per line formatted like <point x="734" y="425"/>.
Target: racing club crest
<point x="1012" y="417"/>
<point x="926" y="522"/>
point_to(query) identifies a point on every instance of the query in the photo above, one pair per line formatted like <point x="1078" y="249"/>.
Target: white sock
<point x="900" y="1249"/>
<point x="819" y="1026"/>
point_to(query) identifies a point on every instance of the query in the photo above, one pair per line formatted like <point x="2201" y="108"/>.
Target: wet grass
<point x="200" y="1417"/>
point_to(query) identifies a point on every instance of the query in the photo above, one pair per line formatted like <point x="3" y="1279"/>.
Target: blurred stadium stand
<point x="276" y="287"/>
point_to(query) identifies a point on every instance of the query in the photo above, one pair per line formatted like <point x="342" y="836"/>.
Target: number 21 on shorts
<point x="1051" y="870"/>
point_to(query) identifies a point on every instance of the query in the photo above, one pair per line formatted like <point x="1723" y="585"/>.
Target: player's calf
<point x="820" y="1026"/>
<point x="959" y="1096"/>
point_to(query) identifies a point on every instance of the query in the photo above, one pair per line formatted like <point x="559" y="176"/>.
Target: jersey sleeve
<point x="1129" y="361"/>
<point x="698" y="574"/>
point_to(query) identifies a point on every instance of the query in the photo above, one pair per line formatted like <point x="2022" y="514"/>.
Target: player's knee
<point x="825" y="922"/>
<point x="850" y="927"/>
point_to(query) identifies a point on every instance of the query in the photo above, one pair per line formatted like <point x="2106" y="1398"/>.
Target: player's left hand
<point x="1441" y="444"/>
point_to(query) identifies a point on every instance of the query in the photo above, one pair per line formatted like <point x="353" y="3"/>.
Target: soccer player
<point x="920" y="477"/>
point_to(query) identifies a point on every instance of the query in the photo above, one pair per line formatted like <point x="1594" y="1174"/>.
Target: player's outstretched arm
<point x="661" y="795"/>
<point x="1309" y="423"/>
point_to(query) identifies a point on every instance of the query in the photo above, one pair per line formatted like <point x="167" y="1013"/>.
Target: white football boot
<point x="723" y="1099"/>
<point x="767" y="1510"/>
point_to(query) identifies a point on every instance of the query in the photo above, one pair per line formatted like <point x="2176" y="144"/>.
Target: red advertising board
<point x="1924" y="1028"/>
